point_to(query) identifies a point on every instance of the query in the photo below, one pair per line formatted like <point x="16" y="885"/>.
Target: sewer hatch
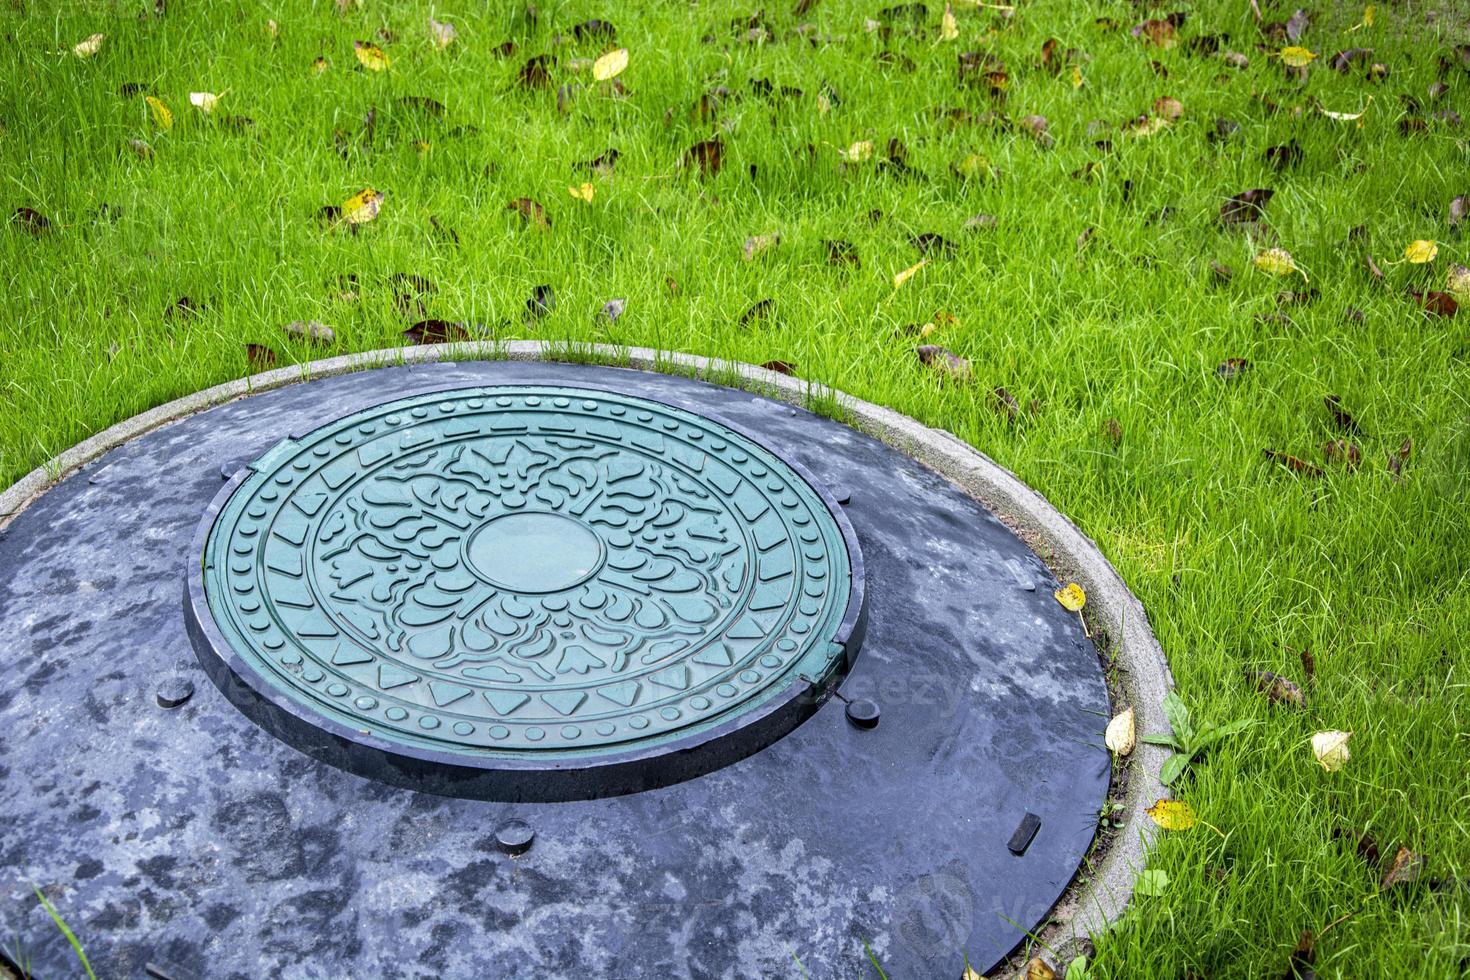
<point x="529" y="577"/>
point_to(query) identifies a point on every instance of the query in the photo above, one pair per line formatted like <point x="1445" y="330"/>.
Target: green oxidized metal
<point x="532" y="572"/>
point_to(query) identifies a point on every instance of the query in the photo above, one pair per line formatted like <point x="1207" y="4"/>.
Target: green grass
<point x="1239" y="561"/>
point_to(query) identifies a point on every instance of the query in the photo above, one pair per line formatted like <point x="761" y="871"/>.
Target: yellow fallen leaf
<point x="1071" y="597"/>
<point x="1038" y="969"/>
<point x="161" y="113"/>
<point x="1331" y="750"/>
<point x="583" y="193"/>
<point x="273" y="29"/>
<point x="424" y="147"/>
<point x="88" y="47"/>
<point x="1172" y="815"/>
<point x="1368" y="16"/>
<point x="1147" y="126"/>
<point x="927" y="329"/>
<point x="610" y="65"/>
<point x="1420" y="252"/>
<point x="948" y="28"/>
<point x="1346" y="116"/>
<point x="362" y="207"/>
<point x="370" y="55"/>
<point x="900" y="278"/>
<point x="318" y="66"/>
<point x="1119" y="737"/>
<point x="443" y="35"/>
<point x="858" y="152"/>
<point x="204" y="101"/>
<point x="824" y="103"/>
<point x="1076" y="76"/>
<point x="1295" y="57"/>
<point x="1278" y="262"/>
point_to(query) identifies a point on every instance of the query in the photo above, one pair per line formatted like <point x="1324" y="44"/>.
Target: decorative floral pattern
<point x="528" y="569"/>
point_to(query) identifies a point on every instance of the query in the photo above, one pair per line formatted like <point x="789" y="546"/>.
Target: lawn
<point x="1121" y="335"/>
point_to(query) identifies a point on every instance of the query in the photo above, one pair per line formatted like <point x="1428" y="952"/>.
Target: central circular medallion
<point x="534" y="553"/>
<point x="520" y="580"/>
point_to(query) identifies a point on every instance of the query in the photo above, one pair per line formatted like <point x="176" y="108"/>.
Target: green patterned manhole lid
<point x="527" y="580"/>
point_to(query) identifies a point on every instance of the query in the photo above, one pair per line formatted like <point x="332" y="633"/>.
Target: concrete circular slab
<point x="189" y="837"/>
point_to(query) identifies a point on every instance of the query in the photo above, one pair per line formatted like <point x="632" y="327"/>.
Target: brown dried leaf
<point x="708" y="155"/>
<point x="1222" y="274"/>
<point x="1284" y="156"/>
<point x="1340" y="415"/>
<point x="1364" y="845"/>
<point x="1404" y="870"/>
<point x="1343" y="451"/>
<point x="598" y="29"/>
<point x="1309" y="665"/>
<point x="1278" y="689"/>
<point x="1372" y="267"/>
<point x="1298" y="466"/>
<point x="1113" y="429"/>
<point x="1159" y="31"/>
<point x="1344" y="61"/>
<point x="181" y="308"/>
<point x="436" y="332"/>
<point x="780" y="367"/>
<point x="445" y="232"/>
<point x="1459" y="208"/>
<point x="536" y="72"/>
<point x="317" y="333"/>
<point x="1397" y="459"/>
<point x="531" y="212"/>
<point x="760" y="244"/>
<point x="933" y="243"/>
<point x="841" y="252"/>
<point x="1246" y="206"/>
<point x="603" y="163"/>
<point x="1437" y="302"/>
<point x="1005" y="403"/>
<point x="758" y="312"/>
<point x="259" y="357"/>
<point x="1297" y="25"/>
<point x="1167" y="108"/>
<point x="541" y="303"/>
<point x="1305" y="953"/>
<point x="943" y="361"/>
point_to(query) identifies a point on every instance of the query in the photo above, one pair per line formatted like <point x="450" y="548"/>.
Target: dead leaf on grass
<point x="1246" y="206"/>
<point x="317" y="333"/>
<point x="436" y="332"/>
<point x="1343" y="451"/>
<point x="1297" y="465"/>
<point x="259" y="357"/>
<point x="531" y="213"/>
<point x="707" y="155"/>
<point x="1278" y="689"/>
<point x="1405" y="869"/>
<point x="943" y="361"/>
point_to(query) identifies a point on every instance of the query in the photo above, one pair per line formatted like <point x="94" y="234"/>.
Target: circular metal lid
<point x="524" y="580"/>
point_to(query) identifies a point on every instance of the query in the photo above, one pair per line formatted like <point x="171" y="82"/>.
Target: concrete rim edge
<point x="1101" y="894"/>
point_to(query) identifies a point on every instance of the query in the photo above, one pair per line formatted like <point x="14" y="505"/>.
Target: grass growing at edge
<point x="1240" y="561"/>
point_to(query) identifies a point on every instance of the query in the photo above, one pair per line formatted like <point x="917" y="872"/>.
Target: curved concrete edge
<point x="1129" y="652"/>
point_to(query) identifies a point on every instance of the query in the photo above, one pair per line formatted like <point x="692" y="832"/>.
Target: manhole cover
<point x="581" y="591"/>
<point x="583" y="608"/>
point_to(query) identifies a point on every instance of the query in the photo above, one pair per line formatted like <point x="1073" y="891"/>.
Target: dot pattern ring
<point x="528" y="574"/>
